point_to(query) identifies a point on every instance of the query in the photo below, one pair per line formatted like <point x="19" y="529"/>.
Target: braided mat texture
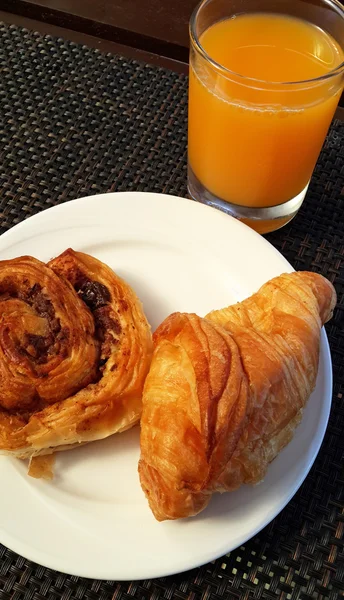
<point x="75" y="122"/>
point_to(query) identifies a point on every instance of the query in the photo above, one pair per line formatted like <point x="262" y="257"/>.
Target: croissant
<point x="75" y="348"/>
<point x="225" y="393"/>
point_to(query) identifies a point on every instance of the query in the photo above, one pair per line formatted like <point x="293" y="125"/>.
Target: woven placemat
<point x="75" y="122"/>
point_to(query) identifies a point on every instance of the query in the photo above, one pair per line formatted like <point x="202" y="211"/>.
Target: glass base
<point x="262" y="220"/>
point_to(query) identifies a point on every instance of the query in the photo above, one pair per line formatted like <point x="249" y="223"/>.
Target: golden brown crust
<point x="225" y="393"/>
<point x="194" y="407"/>
<point x="112" y="338"/>
<point x="42" y="467"/>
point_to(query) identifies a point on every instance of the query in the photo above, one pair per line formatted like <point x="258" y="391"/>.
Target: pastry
<point x="225" y="393"/>
<point x="75" y="348"/>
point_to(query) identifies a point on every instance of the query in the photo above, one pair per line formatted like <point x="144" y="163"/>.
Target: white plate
<point x="93" y="519"/>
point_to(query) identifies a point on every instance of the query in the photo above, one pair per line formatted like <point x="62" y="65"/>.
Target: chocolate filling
<point x="38" y="347"/>
<point x="94" y="294"/>
<point x="104" y="322"/>
<point x="38" y="344"/>
<point x="106" y="325"/>
<point x="97" y="297"/>
<point x="42" y="305"/>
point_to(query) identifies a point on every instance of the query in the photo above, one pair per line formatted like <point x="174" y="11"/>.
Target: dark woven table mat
<point x="75" y="122"/>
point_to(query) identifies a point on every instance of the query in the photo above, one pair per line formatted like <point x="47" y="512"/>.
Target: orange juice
<point x="254" y="143"/>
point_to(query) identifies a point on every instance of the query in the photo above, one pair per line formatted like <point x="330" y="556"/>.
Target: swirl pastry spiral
<point x="225" y="393"/>
<point x="75" y="348"/>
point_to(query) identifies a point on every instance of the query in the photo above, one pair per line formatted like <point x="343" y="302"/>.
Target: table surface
<point x="54" y="98"/>
<point x="153" y="31"/>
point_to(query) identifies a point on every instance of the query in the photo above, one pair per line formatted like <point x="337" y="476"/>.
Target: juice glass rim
<point x="244" y="78"/>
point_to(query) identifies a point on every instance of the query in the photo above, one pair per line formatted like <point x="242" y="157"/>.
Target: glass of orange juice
<point x="265" y="80"/>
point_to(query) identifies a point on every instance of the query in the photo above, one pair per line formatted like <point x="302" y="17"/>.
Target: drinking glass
<point x="253" y="144"/>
